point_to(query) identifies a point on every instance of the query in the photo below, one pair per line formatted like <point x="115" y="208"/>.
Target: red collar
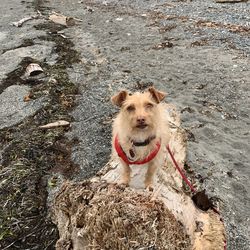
<point x="122" y="155"/>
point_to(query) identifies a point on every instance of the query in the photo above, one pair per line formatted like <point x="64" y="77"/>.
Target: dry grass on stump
<point x="108" y="216"/>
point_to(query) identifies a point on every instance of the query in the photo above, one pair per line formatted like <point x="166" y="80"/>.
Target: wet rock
<point x="12" y="107"/>
<point x="10" y="60"/>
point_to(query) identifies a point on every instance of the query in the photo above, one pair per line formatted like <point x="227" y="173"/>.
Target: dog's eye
<point x="130" y="108"/>
<point x="149" y="105"/>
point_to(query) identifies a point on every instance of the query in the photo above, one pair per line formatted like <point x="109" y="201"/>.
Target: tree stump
<point x="99" y="214"/>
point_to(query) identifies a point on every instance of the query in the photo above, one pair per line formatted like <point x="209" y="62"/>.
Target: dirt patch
<point x="230" y="27"/>
<point x="107" y="216"/>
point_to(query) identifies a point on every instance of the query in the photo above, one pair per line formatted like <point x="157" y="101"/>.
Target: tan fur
<point x="134" y="108"/>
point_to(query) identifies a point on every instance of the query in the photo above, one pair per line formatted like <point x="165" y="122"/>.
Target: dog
<point x="140" y="132"/>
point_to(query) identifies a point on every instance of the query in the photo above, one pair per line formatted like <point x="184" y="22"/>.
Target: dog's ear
<point x="158" y="96"/>
<point x="119" y="98"/>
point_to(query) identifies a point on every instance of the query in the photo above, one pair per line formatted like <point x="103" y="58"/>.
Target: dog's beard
<point x="141" y="134"/>
<point x="137" y="134"/>
<point x="141" y="126"/>
<point x="143" y="129"/>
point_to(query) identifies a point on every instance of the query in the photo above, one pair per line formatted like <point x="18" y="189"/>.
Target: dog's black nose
<point x="140" y="120"/>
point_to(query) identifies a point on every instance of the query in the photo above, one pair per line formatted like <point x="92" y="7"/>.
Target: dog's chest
<point x="138" y="153"/>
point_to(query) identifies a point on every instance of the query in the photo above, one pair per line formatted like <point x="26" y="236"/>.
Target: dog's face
<point x="140" y="109"/>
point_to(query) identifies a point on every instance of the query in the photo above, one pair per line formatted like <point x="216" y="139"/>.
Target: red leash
<point x="180" y="171"/>
<point x="189" y="184"/>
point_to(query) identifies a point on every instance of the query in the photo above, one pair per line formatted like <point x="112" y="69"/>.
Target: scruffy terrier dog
<point x="140" y="132"/>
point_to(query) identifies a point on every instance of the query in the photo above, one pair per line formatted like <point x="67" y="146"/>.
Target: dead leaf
<point x="61" y="19"/>
<point x="27" y="98"/>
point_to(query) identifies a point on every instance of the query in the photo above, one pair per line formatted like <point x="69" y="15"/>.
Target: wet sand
<point x="197" y="53"/>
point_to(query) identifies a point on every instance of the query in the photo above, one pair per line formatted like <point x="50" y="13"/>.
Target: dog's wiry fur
<point x="141" y="117"/>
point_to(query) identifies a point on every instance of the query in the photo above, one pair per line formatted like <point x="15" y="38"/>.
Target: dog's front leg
<point x="125" y="173"/>
<point x="149" y="178"/>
